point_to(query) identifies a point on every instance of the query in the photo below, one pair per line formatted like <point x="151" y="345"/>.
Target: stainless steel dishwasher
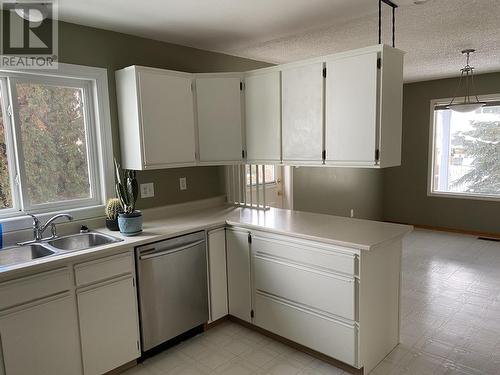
<point x="172" y="281"/>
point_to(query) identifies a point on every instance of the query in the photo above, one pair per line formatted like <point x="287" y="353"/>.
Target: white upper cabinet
<point x="219" y="112"/>
<point x="290" y="113"/>
<point x="351" y="108"/>
<point x="263" y="116"/>
<point x="364" y="108"/>
<point x="302" y="106"/>
<point x="156" y="117"/>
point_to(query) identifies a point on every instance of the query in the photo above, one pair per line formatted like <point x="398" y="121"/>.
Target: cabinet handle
<point x="170" y="251"/>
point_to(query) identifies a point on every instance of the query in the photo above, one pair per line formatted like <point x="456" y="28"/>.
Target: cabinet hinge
<point x="324" y="72"/>
<point x="323" y="155"/>
<point x="242" y="86"/>
<point x="138" y="348"/>
<point x="133" y="282"/>
<point x="249" y="238"/>
<point x="377" y="154"/>
<point x="252" y="314"/>
<point x="243" y="154"/>
<point x="379" y="63"/>
<point x="9" y="111"/>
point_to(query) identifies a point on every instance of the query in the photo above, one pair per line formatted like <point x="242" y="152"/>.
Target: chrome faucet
<point x="38" y="228"/>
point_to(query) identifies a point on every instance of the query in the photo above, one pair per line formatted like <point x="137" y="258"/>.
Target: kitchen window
<point x="465" y="151"/>
<point x="55" y="141"/>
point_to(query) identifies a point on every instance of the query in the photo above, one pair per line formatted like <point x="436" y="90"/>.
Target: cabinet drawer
<point x="308" y="253"/>
<point x="319" y="290"/>
<point x="34" y="287"/>
<point x="333" y="338"/>
<point x="104" y="268"/>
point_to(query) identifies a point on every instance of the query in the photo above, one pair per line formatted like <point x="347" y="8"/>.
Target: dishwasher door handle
<point x="170" y="251"/>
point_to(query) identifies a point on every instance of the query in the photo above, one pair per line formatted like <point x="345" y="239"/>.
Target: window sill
<point x="494" y="198"/>
<point x="19" y="220"/>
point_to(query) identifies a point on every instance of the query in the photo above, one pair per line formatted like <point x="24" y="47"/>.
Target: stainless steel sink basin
<point x="21" y="254"/>
<point x="82" y="241"/>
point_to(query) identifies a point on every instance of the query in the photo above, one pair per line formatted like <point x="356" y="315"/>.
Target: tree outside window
<point x="466" y="152"/>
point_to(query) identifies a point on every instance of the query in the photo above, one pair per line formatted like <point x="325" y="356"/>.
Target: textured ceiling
<point x="279" y="31"/>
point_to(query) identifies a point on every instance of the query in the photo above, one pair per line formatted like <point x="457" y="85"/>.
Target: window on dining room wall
<point x="465" y="152"/>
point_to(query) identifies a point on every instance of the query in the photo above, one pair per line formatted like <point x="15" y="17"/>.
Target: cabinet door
<point x="41" y="339"/>
<point x="238" y="274"/>
<point x="217" y="274"/>
<point x="219" y="119"/>
<point x="167" y="119"/>
<point x="108" y="326"/>
<point x="302" y="93"/>
<point x="351" y="109"/>
<point x="263" y="117"/>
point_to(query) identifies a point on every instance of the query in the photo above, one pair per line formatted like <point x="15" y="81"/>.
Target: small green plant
<point x="127" y="188"/>
<point x="113" y="208"/>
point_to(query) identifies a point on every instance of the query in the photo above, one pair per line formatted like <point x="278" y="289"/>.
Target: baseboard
<point x="293" y="344"/>
<point x="451" y="230"/>
<point x="215" y="323"/>
<point x="122" y="368"/>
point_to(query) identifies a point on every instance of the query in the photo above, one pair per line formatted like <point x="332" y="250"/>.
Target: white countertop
<point x="353" y="233"/>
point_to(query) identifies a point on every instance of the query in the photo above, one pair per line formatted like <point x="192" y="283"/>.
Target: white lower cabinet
<point x="40" y="338"/>
<point x="108" y="326"/>
<point x="55" y="321"/>
<point x="325" y="292"/>
<point x="307" y="327"/>
<point x="339" y="301"/>
<point x="107" y="308"/>
<point x="238" y="274"/>
<point x="301" y="293"/>
<point x="217" y="274"/>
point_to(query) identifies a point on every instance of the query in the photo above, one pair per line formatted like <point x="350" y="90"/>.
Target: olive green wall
<point x="336" y="190"/>
<point x="95" y="47"/>
<point x="405" y="187"/>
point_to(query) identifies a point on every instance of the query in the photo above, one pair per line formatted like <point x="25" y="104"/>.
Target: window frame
<point x="430" y="167"/>
<point x="268" y="183"/>
<point x="99" y="150"/>
<point x="11" y="154"/>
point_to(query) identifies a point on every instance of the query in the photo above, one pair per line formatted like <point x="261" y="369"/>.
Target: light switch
<point x="147" y="190"/>
<point x="182" y="183"/>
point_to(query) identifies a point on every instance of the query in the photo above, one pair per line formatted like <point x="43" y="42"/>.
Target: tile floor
<point x="450" y="322"/>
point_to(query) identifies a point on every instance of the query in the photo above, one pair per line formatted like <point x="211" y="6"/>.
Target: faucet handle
<point x="36" y="221"/>
<point x="53" y="230"/>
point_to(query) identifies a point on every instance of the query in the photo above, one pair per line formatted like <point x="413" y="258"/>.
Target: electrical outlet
<point x="147" y="190"/>
<point x="182" y="183"/>
<point x="352" y="212"/>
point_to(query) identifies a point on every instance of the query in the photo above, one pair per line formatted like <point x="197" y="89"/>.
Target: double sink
<point x="81" y="241"/>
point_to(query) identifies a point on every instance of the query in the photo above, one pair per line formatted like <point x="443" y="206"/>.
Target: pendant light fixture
<point x="467" y="74"/>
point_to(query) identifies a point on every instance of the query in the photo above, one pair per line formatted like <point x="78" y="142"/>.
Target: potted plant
<point x="127" y="189"/>
<point x="113" y="208"/>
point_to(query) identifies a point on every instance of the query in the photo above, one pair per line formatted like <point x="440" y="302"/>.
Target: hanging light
<point x="467" y="73"/>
